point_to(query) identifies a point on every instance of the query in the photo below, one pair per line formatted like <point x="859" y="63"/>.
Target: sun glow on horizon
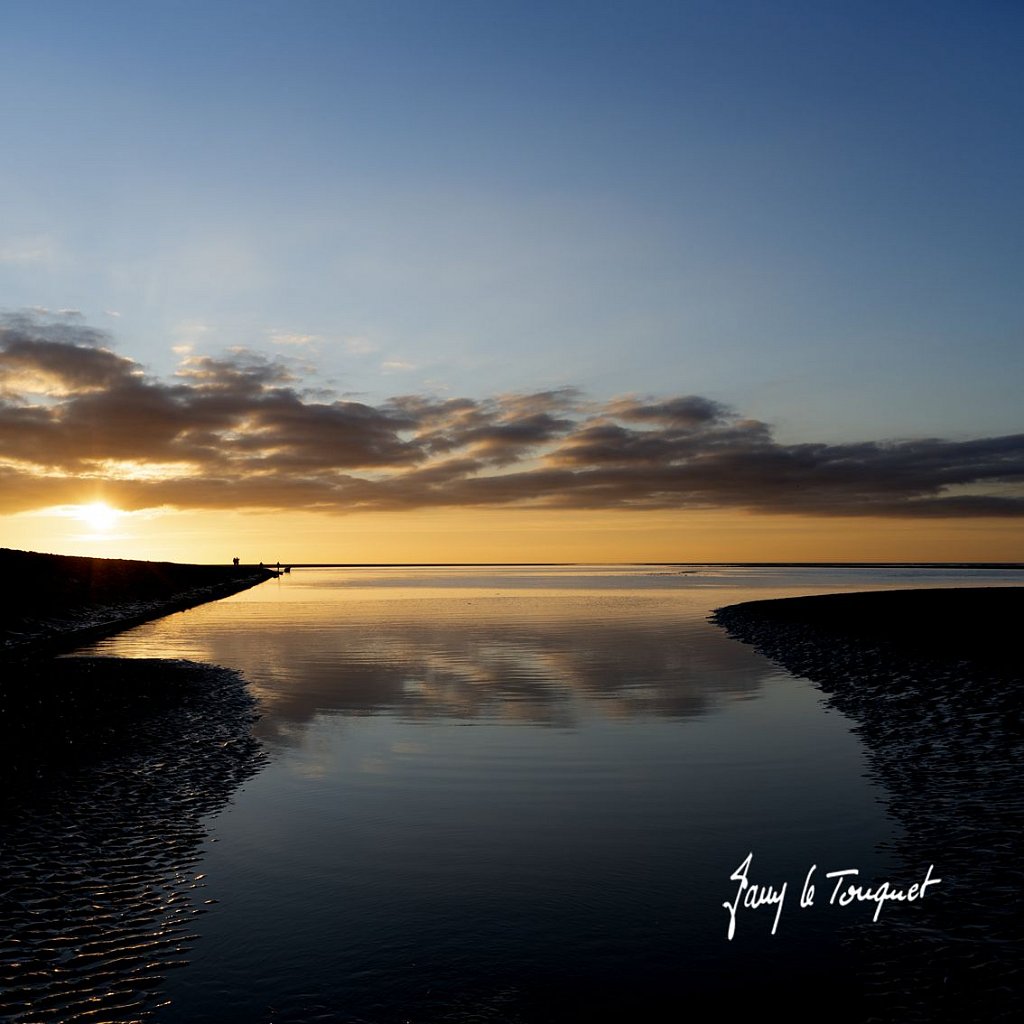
<point x="98" y="515"/>
<point x="474" y="535"/>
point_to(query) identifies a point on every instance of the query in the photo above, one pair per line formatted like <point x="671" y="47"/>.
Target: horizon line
<point x="734" y="565"/>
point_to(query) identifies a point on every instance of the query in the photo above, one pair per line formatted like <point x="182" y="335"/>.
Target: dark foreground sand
<point x="933" y="679"/>
<point x="101" y="830"/>
<point x="108" y="769"/>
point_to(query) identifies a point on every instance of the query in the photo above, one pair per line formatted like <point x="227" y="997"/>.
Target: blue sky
<point x="810" y="212"/>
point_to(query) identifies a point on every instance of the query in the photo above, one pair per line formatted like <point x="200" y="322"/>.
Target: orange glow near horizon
<point x="98" y="515"/>
<point x="465" y="535"/>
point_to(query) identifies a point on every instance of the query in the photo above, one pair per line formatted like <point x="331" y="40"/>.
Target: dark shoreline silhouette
<point x="933" y="679"/>
<point x="108" y="767"/>
<point x="102" y="826"/>
<point x="58" y="602"/>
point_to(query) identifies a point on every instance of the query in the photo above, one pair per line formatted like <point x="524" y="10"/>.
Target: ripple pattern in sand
<point x="99" y="885"/>
<point x="946" y="740"/>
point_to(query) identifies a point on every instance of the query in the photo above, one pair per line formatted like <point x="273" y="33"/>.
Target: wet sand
<point x="933" y="680"/>
<point x="108" y="768"/>
<point x="99" y="842"/>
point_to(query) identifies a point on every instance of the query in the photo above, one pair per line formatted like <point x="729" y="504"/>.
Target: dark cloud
<point x="68" y="359"/>
<point x="242" y="431"/>
<point x="685" y="411"/>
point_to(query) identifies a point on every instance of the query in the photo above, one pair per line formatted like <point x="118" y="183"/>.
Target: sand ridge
<point x="934" y="683"/>
<point x="58" y="602"/>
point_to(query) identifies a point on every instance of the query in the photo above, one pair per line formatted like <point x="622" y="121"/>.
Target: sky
<point x="462" y="281"/>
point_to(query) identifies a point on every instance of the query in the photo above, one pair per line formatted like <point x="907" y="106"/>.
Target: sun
<point x="98" y="515"/>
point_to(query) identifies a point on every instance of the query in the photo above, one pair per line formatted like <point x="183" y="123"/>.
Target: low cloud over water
<point x="245" y="431"/>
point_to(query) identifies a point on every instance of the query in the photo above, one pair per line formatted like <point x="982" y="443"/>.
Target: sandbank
<point x="932" y="680"/>
<point x="58" y="602"/>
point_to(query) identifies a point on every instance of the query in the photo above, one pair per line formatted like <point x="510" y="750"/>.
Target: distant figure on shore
<point x="234" y="561"/>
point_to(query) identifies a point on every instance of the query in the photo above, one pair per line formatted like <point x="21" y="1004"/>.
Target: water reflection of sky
<point x="540" y="645"/>
<point x="490" y="658"/>
<point x="516" y="795"/>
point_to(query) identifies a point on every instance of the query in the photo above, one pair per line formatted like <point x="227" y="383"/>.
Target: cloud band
<point x="243" y="432"/>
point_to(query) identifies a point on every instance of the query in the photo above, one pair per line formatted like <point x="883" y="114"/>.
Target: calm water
<point x="518" y="795"/>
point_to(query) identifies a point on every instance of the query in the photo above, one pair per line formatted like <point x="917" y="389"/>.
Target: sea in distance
<point x="519" y="794"/>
